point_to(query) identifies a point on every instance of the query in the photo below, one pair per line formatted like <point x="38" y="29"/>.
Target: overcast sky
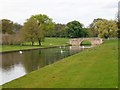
<point x="61" y="11"/>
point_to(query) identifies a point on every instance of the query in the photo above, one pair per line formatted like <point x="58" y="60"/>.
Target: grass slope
<point x="93" y="68"/>
<point x="49" y="42"/>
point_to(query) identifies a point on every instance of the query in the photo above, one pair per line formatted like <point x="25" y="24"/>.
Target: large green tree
<point x="104" y="28"/>
<point x="7" y="26"/>
<point x="29" y="30"/>
<point x="36" y="27"/>
<point x="74" y="29"/>
<point x="45" y="25"/>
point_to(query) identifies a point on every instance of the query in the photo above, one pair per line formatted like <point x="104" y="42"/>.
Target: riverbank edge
<point x="32" y="49"/>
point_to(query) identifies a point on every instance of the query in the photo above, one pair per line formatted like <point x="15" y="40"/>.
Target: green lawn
<point x="93" y="68"/>
<point x="49" y="42"/>
<point x="86" y="43"/>
<point x="55" y="42"/>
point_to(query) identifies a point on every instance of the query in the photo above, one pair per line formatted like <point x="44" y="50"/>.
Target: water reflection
<point x="15" y="64"/>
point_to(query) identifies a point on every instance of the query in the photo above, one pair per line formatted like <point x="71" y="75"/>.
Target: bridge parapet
<point x="78" y="41"/>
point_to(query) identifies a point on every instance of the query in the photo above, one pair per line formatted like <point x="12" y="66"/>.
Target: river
<point x="17" y="64"/>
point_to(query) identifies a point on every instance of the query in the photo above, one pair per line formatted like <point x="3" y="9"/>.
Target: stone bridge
<point x="78" y="41"/>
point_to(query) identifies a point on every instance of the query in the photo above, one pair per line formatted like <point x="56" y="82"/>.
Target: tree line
<point x="39" y="26"/>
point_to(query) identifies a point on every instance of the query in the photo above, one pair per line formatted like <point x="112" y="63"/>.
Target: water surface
<point x="15" y="64"/>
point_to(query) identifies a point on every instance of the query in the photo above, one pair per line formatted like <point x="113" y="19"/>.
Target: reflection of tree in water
<point x="33" y="60"/>
<point x="51" y="55"/>
<point x="10" y="59"/>
<point x="54" y="54"/>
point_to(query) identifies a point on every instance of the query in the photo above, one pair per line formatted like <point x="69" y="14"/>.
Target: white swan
<point x="20" y="52"/>
<point x="83" y="46"/>
<point x="61" y="51"/>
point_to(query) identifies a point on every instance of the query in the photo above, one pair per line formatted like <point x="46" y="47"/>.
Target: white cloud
<point x="61" y="11"/>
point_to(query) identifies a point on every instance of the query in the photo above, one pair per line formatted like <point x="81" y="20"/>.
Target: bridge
<point x="78" y="41"/>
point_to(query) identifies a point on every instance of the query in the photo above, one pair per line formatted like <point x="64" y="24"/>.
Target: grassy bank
<point x="93" y="68"/>
<point x="49" y="42"/>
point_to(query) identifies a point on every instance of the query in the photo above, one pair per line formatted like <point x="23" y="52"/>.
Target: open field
<point x="93" y="68"/>
<point x="49" y="42"/>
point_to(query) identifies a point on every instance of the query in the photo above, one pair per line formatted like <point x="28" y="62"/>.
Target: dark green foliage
<point x="57" y="31"/>
<point x="7" y="26"/>
<point x="75" y="29"/>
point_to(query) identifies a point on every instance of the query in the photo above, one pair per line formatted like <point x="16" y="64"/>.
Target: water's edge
<point x="30" y="49"/>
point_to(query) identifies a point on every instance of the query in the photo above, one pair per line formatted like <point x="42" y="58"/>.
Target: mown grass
<point x="55" y="42"/>
<point x="49" y="42"/>
<point x="85" y="43"/>
<point x="93" y="68"/>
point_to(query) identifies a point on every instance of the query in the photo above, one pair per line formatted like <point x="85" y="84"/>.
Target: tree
<point x="92" y="32"/>
<point x="75" y="29"/>
<point x="85" y="32"/>
<point x="104" y="28"/>
<point x="16" y="27"/>
<point x="57" y="31"/>
<point x="63" y="33"/>
<point x="60" y="30"/>
<point x="45" y="25"/>
<point x="11" y="39"/>
<point x="10" y="32"/>
<point x="36" y="27"/>
<point x="7" y="26"/>
<point x="30" y="29"/>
